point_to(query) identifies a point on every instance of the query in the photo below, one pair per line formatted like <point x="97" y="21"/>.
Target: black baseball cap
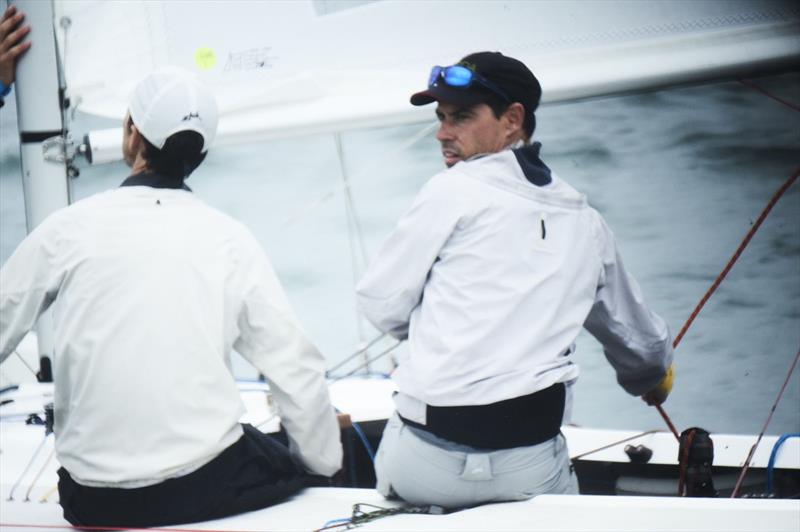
<point x="510" y="75"/>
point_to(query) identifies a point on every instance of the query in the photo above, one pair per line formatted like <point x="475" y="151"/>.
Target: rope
<point x="763" y="430"/>
<point x="118" y="528"/>
<point x="683" y="462"/>
<point x="775" y="197"/>
<point x="668" y="421"/>
<point x="736" y="255"/>
<point x="762" y="90"/>
<point x="48" y="493"/>
<point x="604" y="447"/>
<point x="773" y="456"/>
<point x="359" y="516"/>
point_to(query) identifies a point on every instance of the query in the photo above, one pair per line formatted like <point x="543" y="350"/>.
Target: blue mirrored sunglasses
<point x="461" y="77"/>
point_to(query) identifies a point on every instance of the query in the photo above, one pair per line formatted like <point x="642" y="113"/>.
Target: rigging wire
<point x="354" y="355"/>
<point x="25" y="362"/>
<point x="368" y="361"/>
<point x="27" y="467"/>
<point x="39" y="474"/>
<point x="763" y="430"/>
<point x="355" y="234"/>
<point x="340" y="377"/>
<point x="421" y="134"/>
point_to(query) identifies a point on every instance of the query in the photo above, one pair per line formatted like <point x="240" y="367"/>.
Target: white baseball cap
<point x="170" y="100"/>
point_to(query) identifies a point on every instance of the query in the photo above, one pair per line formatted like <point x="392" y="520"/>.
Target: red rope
<point x="763" y="430"/>
<point x="683" y="462"/>
<point x="738" y="252"/>
<point x="764" y="91"/>
<point x="669" y="422"/>
<point x="99" y="528"/>
<point x="723" y="274"/>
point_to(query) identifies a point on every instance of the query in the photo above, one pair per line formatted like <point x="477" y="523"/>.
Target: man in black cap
<point x="491" y="275"/>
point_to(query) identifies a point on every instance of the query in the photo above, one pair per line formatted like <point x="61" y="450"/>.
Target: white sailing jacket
<point x="492" y="274"/>
<point x="152" y="289"/>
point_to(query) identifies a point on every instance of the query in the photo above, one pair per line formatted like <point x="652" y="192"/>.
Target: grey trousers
<point x="421" y="468"/>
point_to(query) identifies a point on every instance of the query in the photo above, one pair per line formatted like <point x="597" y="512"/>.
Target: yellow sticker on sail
<point x="204" y="58"/>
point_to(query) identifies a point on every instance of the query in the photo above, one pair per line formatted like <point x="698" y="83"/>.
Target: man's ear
<point x="135" y="138"/>
<point x="515" y="118"/>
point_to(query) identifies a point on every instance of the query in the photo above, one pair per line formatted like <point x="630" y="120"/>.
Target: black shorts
<point x="255" y="472"/>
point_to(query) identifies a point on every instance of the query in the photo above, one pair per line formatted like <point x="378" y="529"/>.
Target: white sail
<point x="284" y="68"/>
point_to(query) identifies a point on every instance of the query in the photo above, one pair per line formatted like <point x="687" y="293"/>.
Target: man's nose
<point x="445" y="132"/>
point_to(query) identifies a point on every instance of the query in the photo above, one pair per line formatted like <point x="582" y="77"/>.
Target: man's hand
<point x="12" y="45"/>
<point x="659" y="394"/>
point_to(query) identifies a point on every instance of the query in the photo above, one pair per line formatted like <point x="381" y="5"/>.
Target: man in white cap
<point x="491" y="274"/>
<point x="152" y="289"/>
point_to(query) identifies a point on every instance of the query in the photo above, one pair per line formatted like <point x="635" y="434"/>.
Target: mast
<point x="39" y="113"/>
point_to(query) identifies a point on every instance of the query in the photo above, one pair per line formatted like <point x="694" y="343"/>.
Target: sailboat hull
<point x="616" y="494"/>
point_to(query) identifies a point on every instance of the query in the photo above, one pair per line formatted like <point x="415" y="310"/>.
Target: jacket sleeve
<point x="393" y="284"/>
<point x="29" y="282"/>
<point x="635" y="340"/>
<point x="271" y="339"/>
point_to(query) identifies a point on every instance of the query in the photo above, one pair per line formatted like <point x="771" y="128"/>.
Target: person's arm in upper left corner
<point x="12" y="46"/>
<point x="393" y="284"/>
<point x="29" y="283"/>
<point x="271" y="339"/>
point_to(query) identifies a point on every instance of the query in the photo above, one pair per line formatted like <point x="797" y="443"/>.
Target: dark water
<point x="679" y="174"/>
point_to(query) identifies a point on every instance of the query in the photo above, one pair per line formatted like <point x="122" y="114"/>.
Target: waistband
<point x="519" y="422"/>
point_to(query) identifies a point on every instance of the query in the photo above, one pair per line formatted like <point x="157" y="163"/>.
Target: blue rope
<point x="365" y="441"/>
<point x="336" y="522"/>
<point x="774" y="454"/>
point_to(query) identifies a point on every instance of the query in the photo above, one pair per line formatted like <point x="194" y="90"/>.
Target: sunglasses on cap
<point x="462" y="77"/>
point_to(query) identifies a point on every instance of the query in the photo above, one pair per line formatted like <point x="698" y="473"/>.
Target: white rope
<point x="27" y="467"/>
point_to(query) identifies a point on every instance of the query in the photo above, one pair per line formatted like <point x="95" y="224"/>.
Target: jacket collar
<point x="154" y="180"/>
<point x="532" y="166"/>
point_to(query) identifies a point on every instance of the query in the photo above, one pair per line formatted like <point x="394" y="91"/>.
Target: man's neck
<point x="140" y="165"/>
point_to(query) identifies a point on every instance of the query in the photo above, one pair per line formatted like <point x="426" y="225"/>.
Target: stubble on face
<point x="468" y="131"/>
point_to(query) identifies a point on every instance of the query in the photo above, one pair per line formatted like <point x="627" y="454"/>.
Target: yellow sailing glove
<point x="659" y="394"/>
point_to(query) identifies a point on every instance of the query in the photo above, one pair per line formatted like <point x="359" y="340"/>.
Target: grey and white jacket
<point x="491" y="274"/>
